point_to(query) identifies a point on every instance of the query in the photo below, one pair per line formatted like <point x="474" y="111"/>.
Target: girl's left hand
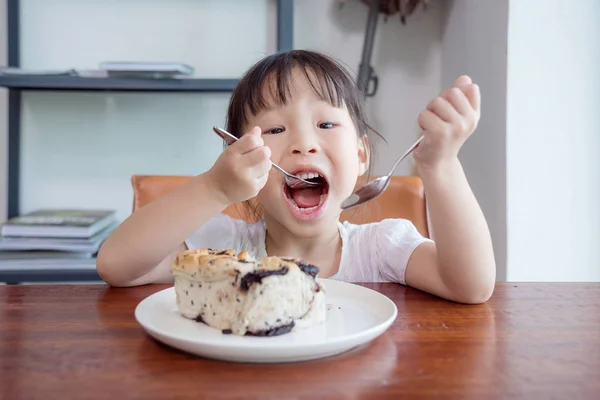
<point x="447" y="122"/>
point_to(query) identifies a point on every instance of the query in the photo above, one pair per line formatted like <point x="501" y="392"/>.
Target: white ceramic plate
<point x="355" y="316"/>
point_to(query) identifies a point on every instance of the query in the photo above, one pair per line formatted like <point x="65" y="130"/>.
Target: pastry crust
<point x="208" y="265"/>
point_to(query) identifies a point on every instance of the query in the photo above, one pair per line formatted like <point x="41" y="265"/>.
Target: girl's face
<point x="308" y="137"/>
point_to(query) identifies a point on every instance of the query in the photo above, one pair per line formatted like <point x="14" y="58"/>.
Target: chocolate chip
<point x="257" y="276"/>
<point x="199" y="319"/>
<point x="227" y="331"/>
<point x="305" y="267"/>
<point x="309" y="269"/>
<point x="192" y="302"/>
<point x="280" y="330"/>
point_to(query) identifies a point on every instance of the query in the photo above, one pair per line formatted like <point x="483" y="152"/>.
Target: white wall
<point x="533" y="162"/>
<point x="80" y="149"/>
<point x="475" y="41"/>
<point x="553" y="141"/>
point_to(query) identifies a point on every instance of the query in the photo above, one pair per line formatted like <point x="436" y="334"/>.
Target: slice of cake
<point x="243" y="296"/>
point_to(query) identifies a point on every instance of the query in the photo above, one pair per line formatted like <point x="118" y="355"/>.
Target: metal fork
<point x="290" y="179"/>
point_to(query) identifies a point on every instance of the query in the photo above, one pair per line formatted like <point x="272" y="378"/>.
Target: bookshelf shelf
<point x="70" y="83"/>
<point x="18" y="274"/>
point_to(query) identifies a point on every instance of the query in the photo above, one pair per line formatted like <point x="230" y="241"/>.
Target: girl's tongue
<point x="307" y="197"/>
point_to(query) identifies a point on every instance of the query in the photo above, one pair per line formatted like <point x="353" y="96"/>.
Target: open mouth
<point x="306" y="200"/>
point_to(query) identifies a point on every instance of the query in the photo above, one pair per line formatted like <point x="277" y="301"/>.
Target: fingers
<point x="430" y="122"/>
<point x="465" y="97"/>
<point x="470" y="90"/>
<point x="462" y="81"/>
<point x="459" y="101"/>
<point x="441" y="107"/>
<point x="256" y="156"/>
<point x="257" y="162"/>
<point x="249" y="141"/>
<point x="473" y="94"/>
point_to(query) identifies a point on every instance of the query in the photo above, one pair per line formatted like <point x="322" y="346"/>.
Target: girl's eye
<point x="326" y="125"/>
<point x="274" y="131"/>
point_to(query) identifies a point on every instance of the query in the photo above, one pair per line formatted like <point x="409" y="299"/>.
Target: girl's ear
<point x="363" y="155"/>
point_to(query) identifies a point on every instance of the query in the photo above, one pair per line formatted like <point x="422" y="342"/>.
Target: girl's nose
<point x="304" y="142"/>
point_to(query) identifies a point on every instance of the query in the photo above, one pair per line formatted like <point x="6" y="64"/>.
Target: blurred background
<point x="533" y="162"/>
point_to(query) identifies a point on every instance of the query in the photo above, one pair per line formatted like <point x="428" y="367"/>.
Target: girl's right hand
<point x="242" y="170"/>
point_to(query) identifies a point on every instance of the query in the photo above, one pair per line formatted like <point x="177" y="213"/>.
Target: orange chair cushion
<point x="404" y="198"/>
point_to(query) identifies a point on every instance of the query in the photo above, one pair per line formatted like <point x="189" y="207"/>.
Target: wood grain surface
<point x="533" y="341"/>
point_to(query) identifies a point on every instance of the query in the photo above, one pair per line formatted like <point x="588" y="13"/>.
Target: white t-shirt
<point x="375" y="252"/>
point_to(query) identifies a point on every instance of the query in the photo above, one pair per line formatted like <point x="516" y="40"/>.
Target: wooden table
<point x="534" y="341"/>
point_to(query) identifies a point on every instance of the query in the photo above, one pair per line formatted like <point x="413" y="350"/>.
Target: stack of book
<point x="55" y="238"/>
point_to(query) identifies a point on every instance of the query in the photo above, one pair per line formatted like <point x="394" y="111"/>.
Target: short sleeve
<point x="217" y="233"/>
<point x="395" y="241"/>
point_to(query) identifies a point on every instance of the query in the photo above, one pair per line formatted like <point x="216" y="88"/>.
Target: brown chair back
<point x="404" y="198"/>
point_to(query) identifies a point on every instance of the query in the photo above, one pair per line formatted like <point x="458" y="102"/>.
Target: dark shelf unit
<point x="17" y="84"/>
<point x="17" y="275"/>
<point x="70" y="83"/>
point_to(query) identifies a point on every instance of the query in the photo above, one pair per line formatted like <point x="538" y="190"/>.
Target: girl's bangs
<point x="277" y="83"/>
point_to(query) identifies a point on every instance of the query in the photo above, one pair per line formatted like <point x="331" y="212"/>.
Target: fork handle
<point x="277" y="167"/>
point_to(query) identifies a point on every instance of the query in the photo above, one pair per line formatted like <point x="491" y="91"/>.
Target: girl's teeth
<point x="309" y="175"/>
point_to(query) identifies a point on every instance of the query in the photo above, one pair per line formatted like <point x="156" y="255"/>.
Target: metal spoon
<point x="290" y="179"/>
<point x="377" y="186"/>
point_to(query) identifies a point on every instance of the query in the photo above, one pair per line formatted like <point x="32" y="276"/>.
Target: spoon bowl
<point x="377" y="186"/>
<point x="367" y="192"/>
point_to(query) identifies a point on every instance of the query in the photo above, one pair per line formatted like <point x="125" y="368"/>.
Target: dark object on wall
<point x="403" y="7"/>
<point x="366" y="73"/>
<point x="367" y="80"/>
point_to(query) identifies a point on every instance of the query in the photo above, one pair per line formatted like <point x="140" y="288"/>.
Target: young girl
<point x="301" y="110"/>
